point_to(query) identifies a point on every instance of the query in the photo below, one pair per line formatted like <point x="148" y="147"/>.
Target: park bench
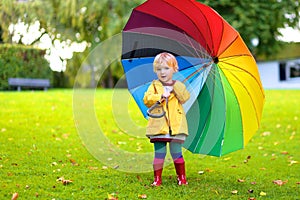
<point x="29" y="82"/>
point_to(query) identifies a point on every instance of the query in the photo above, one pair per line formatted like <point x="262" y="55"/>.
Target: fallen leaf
<point x="267" y="133"/>
<point x="139" y="178"/>
<point x="292" y="135"/>
<point x="201" y="172"/>
<point x="208" y="170"/>
<point x="112" y="196"/>
<point x="253" y="183"/>
<point x="247" y="159"/>
<point x="279" y="182"/>
<point x="250" y="191"/>
<point x="234" y="192"/>
<point x="298" y="183"/>
<point x="73" y="162"/>
<point x="142" y="196"/>
<point x="66" y="136"/>
<point x="241" y="180"/>
<point x="64" y="181"/>
<point x="252" y="198"/>
<point x="293" y="162"/>
<point x="93" y="168"/>
<point x="15" y="196"/>
<point x="262" y="193"/>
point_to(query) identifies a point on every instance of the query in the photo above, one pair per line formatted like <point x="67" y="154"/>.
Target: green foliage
<point x="259" y="19"/>
<point x="22" y="62"/>
<point x="39" y="144"/>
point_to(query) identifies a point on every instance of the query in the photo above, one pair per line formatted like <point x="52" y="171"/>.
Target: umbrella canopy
<point x="227" y="97"/>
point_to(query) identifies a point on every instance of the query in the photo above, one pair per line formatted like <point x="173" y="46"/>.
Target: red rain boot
<point x="158" y="168"/>
<point x="180" y="171"/>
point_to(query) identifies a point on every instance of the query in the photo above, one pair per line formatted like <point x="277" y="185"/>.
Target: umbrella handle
<point x="153" y="107"/>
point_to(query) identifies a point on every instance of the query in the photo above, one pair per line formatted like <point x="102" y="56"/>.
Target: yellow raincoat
<point x="174" y="119"/>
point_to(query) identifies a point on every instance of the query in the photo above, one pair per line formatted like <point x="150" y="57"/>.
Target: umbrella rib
<point x="191" y="44"/>
<point x="238" y="55"/>
<point x="198" y="70"/>
<point x="194" y="23"/>
<point x="210" y="32"/>
<point x="256" y="112"/>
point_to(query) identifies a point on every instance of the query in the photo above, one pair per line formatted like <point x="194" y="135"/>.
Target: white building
<point x="284" y="74"/>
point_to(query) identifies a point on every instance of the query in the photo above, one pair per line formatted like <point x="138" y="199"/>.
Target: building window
<point x="289" y="70"/>
<point x="294" y="70"/>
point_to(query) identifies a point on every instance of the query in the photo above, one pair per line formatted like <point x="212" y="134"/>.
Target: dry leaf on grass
<point x="280" y="182"/>
<point x="64" y="181"/>
<point x="250" y="191"/>
<point x="112" y="196"/>
<point x="201" y="172"/>
<point x="241" y="180"/>
<point x="247" y="159"/>
<point x="292" y="162"/>
<point x="142" y="196"/>
<point x="262" y="193"/>
<point x="15" y="196"/>
<point x="234" y="192"/>
<point x="267" y="133"/>
<point x="139" y="178"/>
<point x="73" y="162"/>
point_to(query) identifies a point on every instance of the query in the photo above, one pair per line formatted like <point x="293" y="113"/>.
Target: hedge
<point x="19" y="61"/>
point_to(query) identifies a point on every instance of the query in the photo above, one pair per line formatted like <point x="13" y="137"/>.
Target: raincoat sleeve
<point x="152" y="95"/>
<point x="181" y="93"/>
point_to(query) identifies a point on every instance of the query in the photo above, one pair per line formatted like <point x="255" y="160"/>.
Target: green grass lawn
<point x="40" y="150"/>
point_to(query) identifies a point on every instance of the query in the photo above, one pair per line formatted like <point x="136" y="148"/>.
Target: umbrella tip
<point x="216" y="60"/>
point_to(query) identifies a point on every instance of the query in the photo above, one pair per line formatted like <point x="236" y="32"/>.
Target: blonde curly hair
<point x="165" y="59"/>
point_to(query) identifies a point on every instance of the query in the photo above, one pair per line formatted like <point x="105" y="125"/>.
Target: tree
<point x="71" y="20"/>
<point x="260" y="20"/>
<point x="86" y="20"/>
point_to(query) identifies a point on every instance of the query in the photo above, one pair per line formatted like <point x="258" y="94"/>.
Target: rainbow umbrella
<point x="227" y="97"/>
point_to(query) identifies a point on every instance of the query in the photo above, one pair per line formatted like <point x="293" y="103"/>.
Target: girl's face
<point x="165" y="73"/>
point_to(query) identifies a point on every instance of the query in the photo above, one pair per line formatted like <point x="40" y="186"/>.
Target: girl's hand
<point x="167" y="91"/>
<point x="166" y="94"/>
